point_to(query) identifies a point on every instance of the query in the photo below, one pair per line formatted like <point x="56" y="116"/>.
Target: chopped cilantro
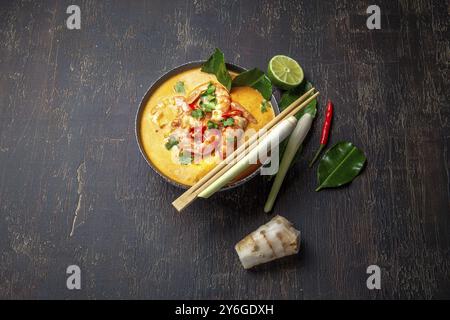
<point x="179" y="87"/>
<point x="264" y="105"/>
<point x="208" y="100"/>
<point x="211" y="89"/>
<point x="212" y="125"/>
<point x="172" y="142"/>
<point x="197" y="113"/>
<point x="208" y="106"/>
<point x="228" y="122"/>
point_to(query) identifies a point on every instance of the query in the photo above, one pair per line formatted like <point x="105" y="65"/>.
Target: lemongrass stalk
<point x="294" y="142"/>
<point x="275" y="239"/>
<point x="273" y="138"/>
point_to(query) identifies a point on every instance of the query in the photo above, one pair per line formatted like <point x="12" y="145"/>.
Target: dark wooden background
<point x="67" y="148"/>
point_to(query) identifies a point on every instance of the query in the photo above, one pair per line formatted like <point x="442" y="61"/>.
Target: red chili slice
<point x="232" y="113"/>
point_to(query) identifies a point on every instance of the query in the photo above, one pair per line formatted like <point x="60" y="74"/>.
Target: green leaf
<point x="179" y="87"/>
<point x="172" y="142"/>
<point x="212" y="125"/>
<point x="248" y="78"/>
<point x="290" y="96"/>
<point x="264" y="86"/>
<point x="228" y="122"/>
<point x="340" y="165"/>
<point x="216" y="65"/>
<point x="197" y="113"/>
<point x="256" y="79"/>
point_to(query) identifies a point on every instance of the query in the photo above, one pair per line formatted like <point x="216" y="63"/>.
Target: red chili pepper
<point x="325" y="131"/>
<point x="193" y="104"/>
<point x="232" y="113"/>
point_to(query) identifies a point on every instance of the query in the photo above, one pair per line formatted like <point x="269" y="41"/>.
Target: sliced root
<point x="273" y="240"/>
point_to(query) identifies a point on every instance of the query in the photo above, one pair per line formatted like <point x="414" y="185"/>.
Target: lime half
<point x="284" y="72"/>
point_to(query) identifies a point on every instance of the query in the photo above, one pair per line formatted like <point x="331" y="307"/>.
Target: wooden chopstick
<point x="187" y="197"/>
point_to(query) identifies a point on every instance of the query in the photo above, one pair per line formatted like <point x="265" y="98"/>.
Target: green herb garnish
<point x="208" y="106"/>
<point x="211" y="90"/>
<point x="264" y="105"/>
<point x="208" y="100"/>
<point x="216" y="65"/>
<point x="228" y="122"/>
<point x="185" y="158"/>
<point x="172" y="142"/>
<point x="256" y="79"/>
<point x="197" y="113"/>
<point x="212" y="125"/>
<point x="179" y="87"/>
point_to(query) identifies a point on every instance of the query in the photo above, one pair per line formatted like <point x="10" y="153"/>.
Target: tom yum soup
<point x="191" y="122"/>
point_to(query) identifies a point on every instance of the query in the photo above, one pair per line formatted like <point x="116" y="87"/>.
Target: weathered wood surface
<point x="67" y="148"/>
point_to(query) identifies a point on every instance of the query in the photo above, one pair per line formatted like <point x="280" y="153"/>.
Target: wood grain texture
<point x="67" y="148"/>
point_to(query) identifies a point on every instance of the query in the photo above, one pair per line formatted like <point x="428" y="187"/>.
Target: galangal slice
<point x="273" y="240"/>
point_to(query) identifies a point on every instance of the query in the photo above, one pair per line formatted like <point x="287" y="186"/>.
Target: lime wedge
<point x="284" y="72"/>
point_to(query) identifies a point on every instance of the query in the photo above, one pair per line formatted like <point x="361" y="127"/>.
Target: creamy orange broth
<point x="152" y="136"/>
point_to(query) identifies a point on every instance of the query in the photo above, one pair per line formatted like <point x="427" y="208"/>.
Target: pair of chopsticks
<point x="191" y="194"/>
